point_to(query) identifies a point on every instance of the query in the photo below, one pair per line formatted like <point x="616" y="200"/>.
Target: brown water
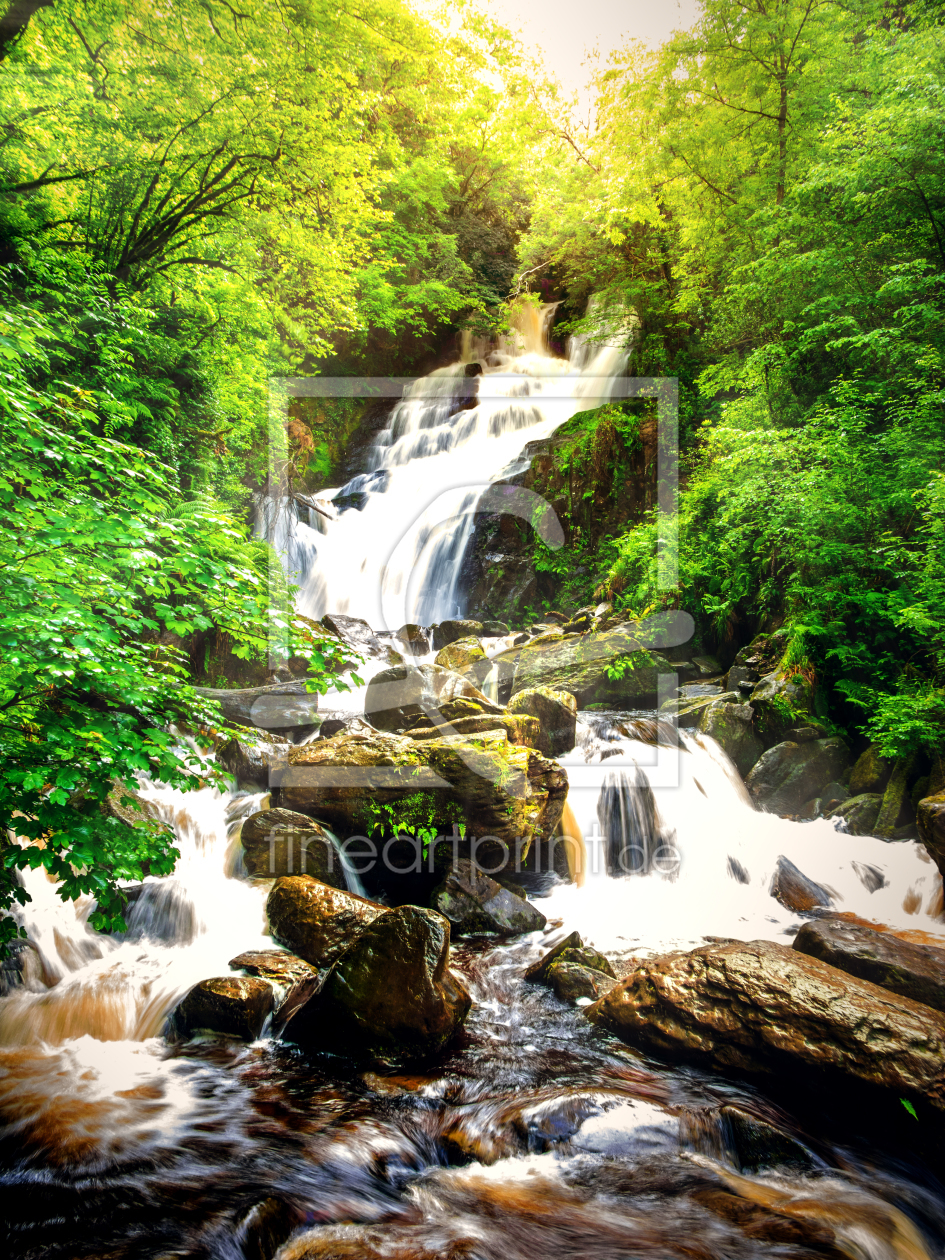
<point x="537" y="1136"/>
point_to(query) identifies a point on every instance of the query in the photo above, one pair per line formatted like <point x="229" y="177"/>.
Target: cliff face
<point x="597" y="472"/>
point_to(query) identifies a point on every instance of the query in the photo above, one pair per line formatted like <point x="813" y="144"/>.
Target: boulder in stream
<point x="730" y="725"/>
<point x="447" y="632"/>
<point x="580" y="663"/>
<point x="789" y="774"/>
<point x="570" y="980"/>
<point x="913" y="971"/>
<point x="286" y="708"/>
<point x="392" y="995"/>
<point x="556" y="712"/>
<point x="870" y="772"/>
<point x="461" y="653"/>
<point x="251" y="761"/>
<point x="859" y="813"/>
<point x="282" y="842"/>
<point x="316" y="921"/>
<point x="795" y="891"/>
<point x="930" y="816"/>
<point x="234" y="1006"/>
<point x="519" y="727"/>
<point x="475" y="903"/>
<point x="759" y="1007"/>
<point x="293" y="980"/>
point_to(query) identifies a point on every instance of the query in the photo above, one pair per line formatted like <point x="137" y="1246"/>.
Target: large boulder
<point x="508" y="793"/>
<point x="870" y="772"/>
<point x="392" y="996"/>
<point x="292" y="979"/>
<point x="447" y="632"/>
<point x="913" y="971"/>
<point x="570" y="981"/>
<point x="520" y="728"/>
<point x="358" y="635"/>
<point x="788" y="775"/>
<point x="930" y="816"/>
<point x="235" y="1006"/>
<point x="282" y="842"/>
<point x="581" y="664"/>
<point x="859" y="813"/>
<point x="316" y="921"/>
<point x="761" y="1007"/>
<point x="688" y="711"/>
<point x="413" y="639"/>
<point x="251" y="760"/>
<point x="730" y="725"/>
<point x="556" y="712"/>
<point x="282" y="709"/>
<point x="474" y="903"/>
<point x="461" y="653"/>
<point x="396" y="697"/>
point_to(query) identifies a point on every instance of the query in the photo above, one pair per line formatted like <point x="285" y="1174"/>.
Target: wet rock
<point x="833" y="795"/>
<point x="399" y="695"/>
<point x="730" y="725"/>
<point x="570" y="981"/>
<point x="316" y="921"/>
<point x="537" y="972"/>
<point x="913" y="971"/>
<point x="235" y="1006"/>
<point x="293" y="979"/>
<point x="413" y="638"/>
<point x="251" y="762"/>
<point x="804" y="734"/>
<point x="461" y="653"/>
<point x="579" y="665"/>
<point x="895" y="811"/>
<point x="795" y="891"/>
<point x="687" y="711"/>
<point x="283" y="708"/>
<point x="449" y="631"/>
<point x="21" y="965"/>
<point x="358" y="635"/>
<point x="475" y="903"/>
<point x="392" y="995"/>
<point x="282" y="842"/>
<point x="507" y="792"/>
<point x="756" y="1144"/>
<point x="556" y="712"/>
<point x="789" y="774"/>
<point x="870" y="772"/>
<point x="495" y="629"/>
<point x="931" y="823"/>
<point x="761" y="1007"/>
<point x="859" y="813"/>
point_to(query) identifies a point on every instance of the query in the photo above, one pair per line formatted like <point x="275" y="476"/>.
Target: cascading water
<point x="536" y="1134"/>
<point x="394" y="551"/>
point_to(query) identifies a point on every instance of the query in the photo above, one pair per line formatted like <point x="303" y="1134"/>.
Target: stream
<point x="536" y="1134"/>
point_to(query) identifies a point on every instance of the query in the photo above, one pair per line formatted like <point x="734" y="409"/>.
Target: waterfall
<point x="393" y="551"/>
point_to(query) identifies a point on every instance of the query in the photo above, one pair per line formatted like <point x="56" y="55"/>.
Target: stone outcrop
<point x="788" y="775"/>
<point x="795" y="891"/>
<point x="292" y="979"/>
<point x="779" y="701"/>
<point x="474" y="903"/>
<point x="579" y="664"/>
<point x="730" y="725"/>
<point x="570" y="949"/>
<point x="556" y="712"/>
<point x="397" y="697"/>
<point x="912" y="971"/>
<point x="930" y="816"/>
<point x="282" y="842"/>
<point x="520" y="728"/>
<point x="234" y="1006"/>
<point x="315" y="921"/>
<point x="358" y="635"/>
<point x="859" y="813"/>
<point x="505" y="791"/>
<point x="413" y="639"/>
<point x="392" y="996"/>
<point x="761" y="1007"/>
<point x="282" y="709"/>
<point x="688" y="711"/>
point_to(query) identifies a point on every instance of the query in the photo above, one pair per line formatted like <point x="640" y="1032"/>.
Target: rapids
<point x="536" y="1134"/>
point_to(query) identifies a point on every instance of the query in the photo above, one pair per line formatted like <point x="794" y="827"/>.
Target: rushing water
<point x="536" y="1134"/>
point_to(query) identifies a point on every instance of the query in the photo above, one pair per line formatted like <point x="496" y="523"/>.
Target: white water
<point x="397" y="559"/>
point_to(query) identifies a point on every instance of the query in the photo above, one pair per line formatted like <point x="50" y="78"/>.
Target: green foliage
<point x="422" y="815"/>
